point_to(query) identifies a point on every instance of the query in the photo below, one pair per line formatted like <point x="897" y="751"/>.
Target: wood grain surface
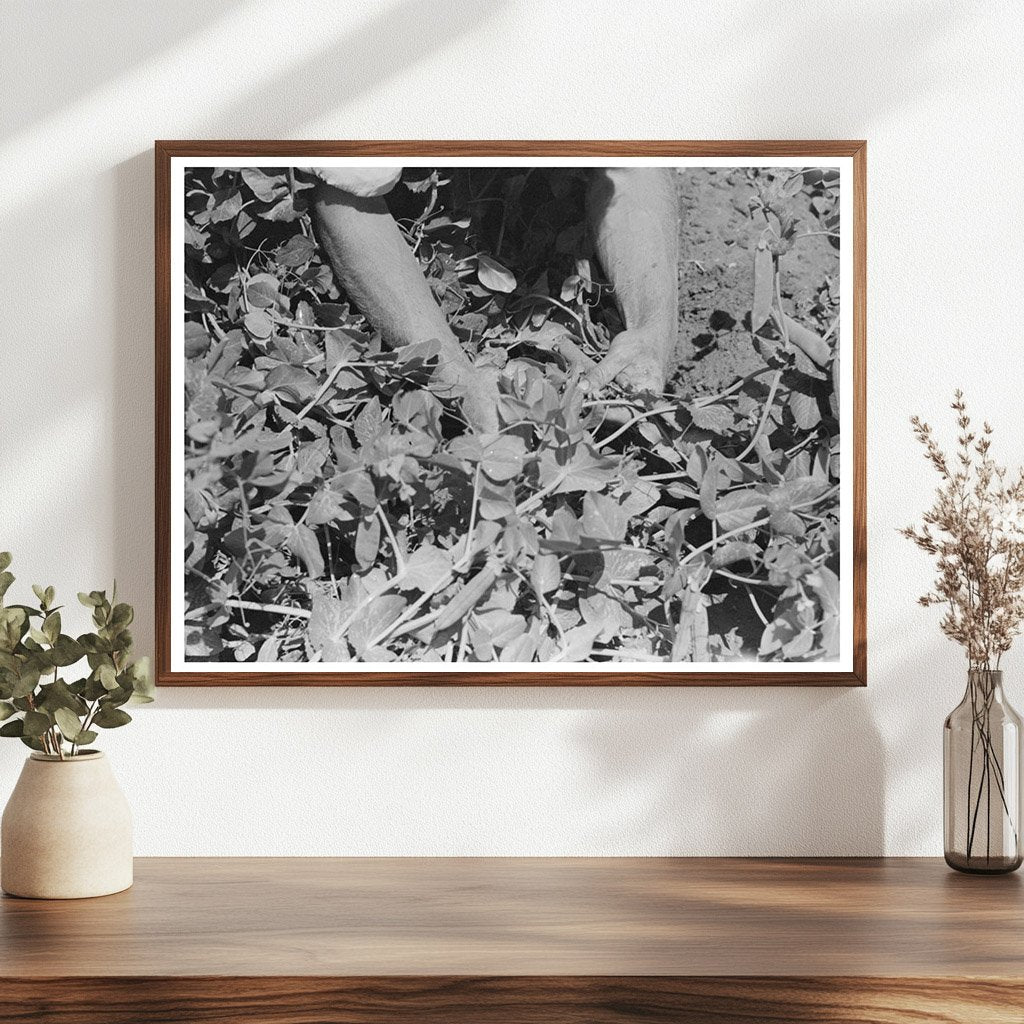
<point x="284" y="941"/>
<point x="505" y="916"/>
<point x="517" y="1000"/>
<point x="165" y="150"/>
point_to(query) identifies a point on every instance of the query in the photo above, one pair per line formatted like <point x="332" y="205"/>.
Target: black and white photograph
<point x="508" y="414"/>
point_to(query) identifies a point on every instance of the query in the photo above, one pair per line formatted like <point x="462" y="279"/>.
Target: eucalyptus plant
<point x="41" y="708"/>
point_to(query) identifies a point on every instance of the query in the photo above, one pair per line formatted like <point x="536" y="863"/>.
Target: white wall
<point x="937" y="89"/>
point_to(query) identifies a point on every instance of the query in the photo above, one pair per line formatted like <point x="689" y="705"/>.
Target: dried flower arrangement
<point x="975" y="529"/>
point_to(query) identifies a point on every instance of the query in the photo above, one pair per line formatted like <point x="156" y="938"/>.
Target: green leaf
<point x="716" y="418"/>
<point x="115" y="698"/>
<point x="69" y="724"/>
<point x="501" y="626"/>
<point x="107" y="676"/>
<point x="545" y="573"/>
<point x="197" y="343"/>
<point x="111" y="718"/>
<point x="264" y="186"/>
<point x="27" y="682"/>
<point x="787" y="523"/>
<point x="93" y="644"/>
<point x="59" y="695"/>
<point x="764" y="287"/>
<point x="86" y="736"/>
<point x="227" y="204"/>
<point x="367" y="541"/>
<point x="579" y="643"/>
<point x="66" y="651"/>
<point x="36" y="723"/>
<point x="295" y="252"/>
<point x="328" y="615"/>
<point x="6" y="710"/>
<point x="51" y="626"/>
<point x="291" y="383"/>
<point x="10" y="663"/>
<point x="565" y="529"/>
<point x="739" y="508"/>
<point x="494" y="276"/>
<point x="302" y="543"/>
<point x="804" y="408"/>
<point x="425" y="567"/>
<point x="709" y="489"/>
<point x="5" y="560"/>
<point x="603" y="519"/>
<point x="801" y="491"/>
<point x="142" y="680"/>
<point x="503" y="456"/>
<point x="369" y="424"/>
<point x="497" y="501"/>
<point x="734" y="551"/>
<point x="40" y="593"/>
<point x="89" y="600"/>
<point x="15" y="728"/>
<point x="6" y="579"/>
<point x="259" y="324"/>
<point x="93" y="689"/>
<point x="586" y="471"/>
<point x="122" y="615"/>
<point x="262" y="291"/>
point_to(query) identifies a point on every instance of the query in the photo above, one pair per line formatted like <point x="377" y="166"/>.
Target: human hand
<point x="474" y="387"/>
<point x="480" y="399"/>
<point x="636" y="360"/>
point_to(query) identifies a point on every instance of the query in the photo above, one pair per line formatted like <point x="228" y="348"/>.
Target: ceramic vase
<point x="66" y="831"/>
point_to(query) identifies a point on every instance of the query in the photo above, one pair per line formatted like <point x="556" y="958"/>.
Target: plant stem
<point x="982" y="698"/>
<point x="273" y="609"/>
<point x="766" y="412"/>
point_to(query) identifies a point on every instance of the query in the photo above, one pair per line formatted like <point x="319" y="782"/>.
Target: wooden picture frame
<point x="848" y="156"/>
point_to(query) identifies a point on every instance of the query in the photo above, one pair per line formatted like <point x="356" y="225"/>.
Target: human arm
<point x="633" y="215"/>
<point x="378" y="270"/>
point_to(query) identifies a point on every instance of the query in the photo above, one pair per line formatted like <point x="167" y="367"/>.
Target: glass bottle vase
<point x="981" y="769"/>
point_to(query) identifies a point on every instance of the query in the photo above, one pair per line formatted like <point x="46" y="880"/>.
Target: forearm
<point x="379" y="272"/>
<point x="633" y="214"/>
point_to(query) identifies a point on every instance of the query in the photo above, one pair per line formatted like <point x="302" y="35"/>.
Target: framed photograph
<point x="491" y="413"/>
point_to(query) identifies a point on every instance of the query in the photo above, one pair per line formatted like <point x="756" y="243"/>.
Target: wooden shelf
<point x="279" y="941"/>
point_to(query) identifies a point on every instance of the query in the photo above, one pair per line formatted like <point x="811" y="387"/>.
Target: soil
<point x="717" y="239"/>
<point x="716" y="275"/>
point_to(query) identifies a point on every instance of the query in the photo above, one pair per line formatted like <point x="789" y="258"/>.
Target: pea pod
<point x="469" y="595"/>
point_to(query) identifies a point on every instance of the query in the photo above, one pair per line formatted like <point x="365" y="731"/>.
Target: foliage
<point x="975" y="530"/>
<point x="338" y="507"/>
<point x="37" y="704"/>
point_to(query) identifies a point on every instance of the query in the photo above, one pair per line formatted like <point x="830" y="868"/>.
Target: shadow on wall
<point x="395" y="38"/>
<point x="808" y="75"/>
<point x="751" y="771"/>
<point x="132" y="407"/>
<point x="45" y="43"/>
<point x="678" y="770"/>
<point x="76" y="49"/>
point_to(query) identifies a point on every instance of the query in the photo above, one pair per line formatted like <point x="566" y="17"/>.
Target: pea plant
<point x="338" y="507"/>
